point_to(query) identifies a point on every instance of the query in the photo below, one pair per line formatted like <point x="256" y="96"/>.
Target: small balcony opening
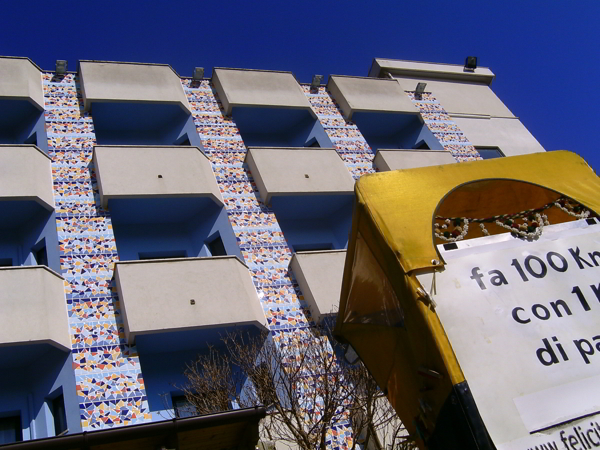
<point x="390" y="131"/>
<point x="22" y="123"/>
<point x="278" y="127"/>
<point x="10" y="429"/>
<point x="180" y="230"/>
<point x="25" y="225"/>
<point x="143" y="124"/>
<point x="314" y="222"/>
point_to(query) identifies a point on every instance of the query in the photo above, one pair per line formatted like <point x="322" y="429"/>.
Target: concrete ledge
<point x="260" y="88"/>
<point x="26" y="174"/>
<point x="107" y="81"/>
<point x="396" y="159"/>
<point x="354" y="94"/>
<point x="34" y="309"/>
<point x="414" y="69"/>
<point x="298" y="171"/>
<point x="158" y="171"/>
<point x="509" y="134"/>
<point x="156" y="295"/>
<point x="319" y="275"/>
<point x="21" y="79"/>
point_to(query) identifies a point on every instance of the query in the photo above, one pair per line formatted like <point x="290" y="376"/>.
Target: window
<point x="57" y="407"/>
<point x="183" y="140"/>
<point x="422" y="145"/>
<point x="6" y="262"/>
<point x="31" y="139"/>
<point x="40" y="254"/>
<point x="163" y="255"/>
<point x="312" y="247"/>
<point x="216" y="247"/>
<point x="312" y="143"/>
<point x="10" y="429"/>
<point x="489" y="152"/>
<point x="182" y="407"/>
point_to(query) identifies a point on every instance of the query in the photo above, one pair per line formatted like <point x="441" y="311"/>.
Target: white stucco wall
<point x="510" y="135"/>
<point x="465" y="95"/>
<point x="459" y="97"/>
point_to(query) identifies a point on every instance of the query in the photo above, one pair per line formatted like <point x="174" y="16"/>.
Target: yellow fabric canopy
<point x="383" y="313"/>
<point x="404" y="202"/>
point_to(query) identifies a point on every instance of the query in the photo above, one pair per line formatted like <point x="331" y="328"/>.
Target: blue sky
<point x="544" y="54"/>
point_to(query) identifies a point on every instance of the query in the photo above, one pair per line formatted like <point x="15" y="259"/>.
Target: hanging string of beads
<point x="527" y="224"/>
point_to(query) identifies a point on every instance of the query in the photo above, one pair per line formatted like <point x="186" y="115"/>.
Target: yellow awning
<point x="382" y="313"/>
<point x="403" y="202"/>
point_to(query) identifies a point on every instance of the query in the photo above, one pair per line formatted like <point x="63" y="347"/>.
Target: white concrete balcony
<point x="21" y="80"/>
<point x="136" y="104"/>
<point x="281" y="172"/>
<point x="25" y="177"/>
<point x="114" y="82"/>
<point x="319" y="275"/>
<point x="397" y="159"/>
<point x="186" y="294"/>
<point x="138" y="172"/>
<point x="258" y="88"/>
<point x="21" y="103"/>
<point x="358" y="94"/>
<point x="311" y="192"/>
<point x="34" y="311"/>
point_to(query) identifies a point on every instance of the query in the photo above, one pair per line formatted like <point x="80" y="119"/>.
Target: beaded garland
<point x="527" y="224"/>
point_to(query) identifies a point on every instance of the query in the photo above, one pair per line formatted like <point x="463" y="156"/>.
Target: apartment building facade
<point x="144" y="214"/>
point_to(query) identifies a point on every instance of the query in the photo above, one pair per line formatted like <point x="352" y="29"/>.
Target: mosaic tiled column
<point x="345" y="136"/>
<point x="109" y="382"/>
<point x="259" y="236"/>
<point x="443" y="127"/>
<point x="352" y="146"/>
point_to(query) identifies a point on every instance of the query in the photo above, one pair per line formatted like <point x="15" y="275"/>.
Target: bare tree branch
<point x="305" y="384"/>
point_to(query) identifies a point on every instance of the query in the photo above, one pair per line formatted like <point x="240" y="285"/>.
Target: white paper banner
<point x="524" y="323"/>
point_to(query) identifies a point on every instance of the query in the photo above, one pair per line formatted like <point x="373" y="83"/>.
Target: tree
<point x="303" y="382"/>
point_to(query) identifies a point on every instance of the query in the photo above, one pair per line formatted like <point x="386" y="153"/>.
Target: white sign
<point x="524" y="322"/>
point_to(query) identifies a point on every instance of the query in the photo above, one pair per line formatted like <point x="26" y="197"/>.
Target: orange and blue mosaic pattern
<point x="109" y="382"/>
<point x="443" y="127"/>
<point x="345" y="136"/>
<point x="258" y="234"/>
<point x="108" y="375"/>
